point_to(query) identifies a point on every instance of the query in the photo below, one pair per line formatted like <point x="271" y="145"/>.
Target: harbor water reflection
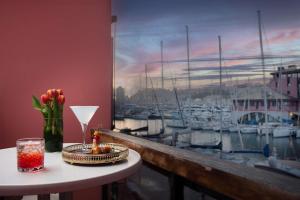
<point x="286" y="148"/>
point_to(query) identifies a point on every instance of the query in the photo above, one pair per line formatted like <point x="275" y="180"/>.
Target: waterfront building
<point x="287" y="82"/>
<point x="283" y="98"/>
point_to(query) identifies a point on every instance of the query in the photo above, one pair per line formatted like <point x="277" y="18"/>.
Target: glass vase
<point x="53" y="134"/>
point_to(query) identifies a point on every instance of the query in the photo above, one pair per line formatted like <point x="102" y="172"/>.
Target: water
<point x="287" y="148"/>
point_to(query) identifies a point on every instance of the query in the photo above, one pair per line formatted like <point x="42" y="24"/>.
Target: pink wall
<point x="53" y="44"/>
<point x="293" y="88"/>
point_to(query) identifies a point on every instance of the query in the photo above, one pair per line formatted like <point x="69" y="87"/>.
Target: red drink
<point x="30" y="154"/>
<point x="30" y="160"/>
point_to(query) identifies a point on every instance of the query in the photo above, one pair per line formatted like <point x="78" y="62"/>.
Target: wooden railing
<point x="218" y="178"/>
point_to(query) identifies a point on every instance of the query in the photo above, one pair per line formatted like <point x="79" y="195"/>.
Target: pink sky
<point x="138" y="41"/>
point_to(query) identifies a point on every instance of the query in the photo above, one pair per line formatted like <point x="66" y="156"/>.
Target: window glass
<point x="180" y="65"/>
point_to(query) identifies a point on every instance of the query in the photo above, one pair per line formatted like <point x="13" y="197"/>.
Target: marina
<point x="244" y="123"/>
<point x="237" y="108"/>
<point x="287" y="148"/>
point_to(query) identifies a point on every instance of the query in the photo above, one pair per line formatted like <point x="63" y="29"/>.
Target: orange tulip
<point x="49" y="93"/>
<point x="59" y="92"/>
<point x="61" y="99"/>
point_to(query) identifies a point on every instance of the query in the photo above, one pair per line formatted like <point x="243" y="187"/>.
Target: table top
<point x="59" y="176"/>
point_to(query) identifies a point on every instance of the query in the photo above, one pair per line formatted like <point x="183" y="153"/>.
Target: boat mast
<point x="146" y="84"/>
<point x="221" y="114"/>
<point x="281" y="93"/>
<point x="162" y="63"/>
<point x="146" y="76"/>
<point x="263" y="66"/>
<point x="188" y="67"/>
<point x="266" y="148"/>
<point x="158" y="108"/>
<point x="237" y="120"/>
<point x="146" y="93"/>
<point x="178" y="104"/>
<point x="188" y="55"/>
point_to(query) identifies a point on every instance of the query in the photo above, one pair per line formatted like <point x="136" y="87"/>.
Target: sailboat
<point x="216" y="143"/>
<point x="162" y="130"/>
<point x="235" y="124"/>
<point x="249" y="128"/>
<point x="182" y="123"/>
<point x="177" y="123"/>
<point x="266" y="149"/>
<point x="282" y="131"/>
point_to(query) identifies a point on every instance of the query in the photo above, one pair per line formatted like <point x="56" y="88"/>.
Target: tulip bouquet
<point x="51" y="107"/>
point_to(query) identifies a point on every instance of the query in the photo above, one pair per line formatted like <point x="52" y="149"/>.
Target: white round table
<point x="59" y="176"/>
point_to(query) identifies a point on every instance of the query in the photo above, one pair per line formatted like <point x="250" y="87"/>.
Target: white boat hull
<point x="265" y="130"/>
<point x="249" y="130"/>
<point x="282" y="132"/>
<point x="176" y="124"/>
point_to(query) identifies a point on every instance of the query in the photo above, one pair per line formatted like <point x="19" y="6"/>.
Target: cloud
<point x="286" y="36"/>
<point x="217" y="77"/>
<point x="143" y="24"/>
<point x="278" y="36"/>
<point x="250" y="67"/>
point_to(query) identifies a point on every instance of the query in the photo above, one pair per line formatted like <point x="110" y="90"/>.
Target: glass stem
<point x="84" y="128"/>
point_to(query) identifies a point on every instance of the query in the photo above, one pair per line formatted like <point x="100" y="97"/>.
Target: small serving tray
<point x="73" y="155"/>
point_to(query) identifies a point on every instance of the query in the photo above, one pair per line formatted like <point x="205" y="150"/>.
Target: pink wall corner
<point x="53" y="44"/>
<point x="293" y="87"/>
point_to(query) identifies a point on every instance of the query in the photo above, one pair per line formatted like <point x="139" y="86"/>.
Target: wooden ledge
<point x="230" y="179"/>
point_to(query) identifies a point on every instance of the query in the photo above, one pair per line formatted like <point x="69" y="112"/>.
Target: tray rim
<point x="94" y="159"/>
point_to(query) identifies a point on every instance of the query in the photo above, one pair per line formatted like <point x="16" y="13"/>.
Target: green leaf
<point x="56" y="113"/>
<point x="45" y="111"/>
<point x="36" y="103"/>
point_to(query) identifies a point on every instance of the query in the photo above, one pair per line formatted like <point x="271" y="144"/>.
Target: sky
<point x="143" y="24"/>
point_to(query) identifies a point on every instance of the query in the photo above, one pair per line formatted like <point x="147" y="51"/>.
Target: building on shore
<point x="283" y="98"/>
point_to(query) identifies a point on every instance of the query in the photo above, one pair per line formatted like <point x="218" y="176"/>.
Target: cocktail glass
<point x="84" y="114"/>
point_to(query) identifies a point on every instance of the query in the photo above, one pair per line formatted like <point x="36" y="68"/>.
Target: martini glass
<point x="84" y="114"/>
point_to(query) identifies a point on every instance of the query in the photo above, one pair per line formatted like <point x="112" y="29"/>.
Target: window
<point x="241" y="102"/>
<point x="162" y="48"/>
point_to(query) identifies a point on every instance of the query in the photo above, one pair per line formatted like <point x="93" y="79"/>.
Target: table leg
<point x="44" y="197"/>
<point x="114" y="190"/>
<point x="105" y="192"/>
<point x="66" y="196"/>
<point x="176" y="187"/>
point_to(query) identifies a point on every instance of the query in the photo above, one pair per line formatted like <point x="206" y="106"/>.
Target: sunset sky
<point x="142" y="24"/>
